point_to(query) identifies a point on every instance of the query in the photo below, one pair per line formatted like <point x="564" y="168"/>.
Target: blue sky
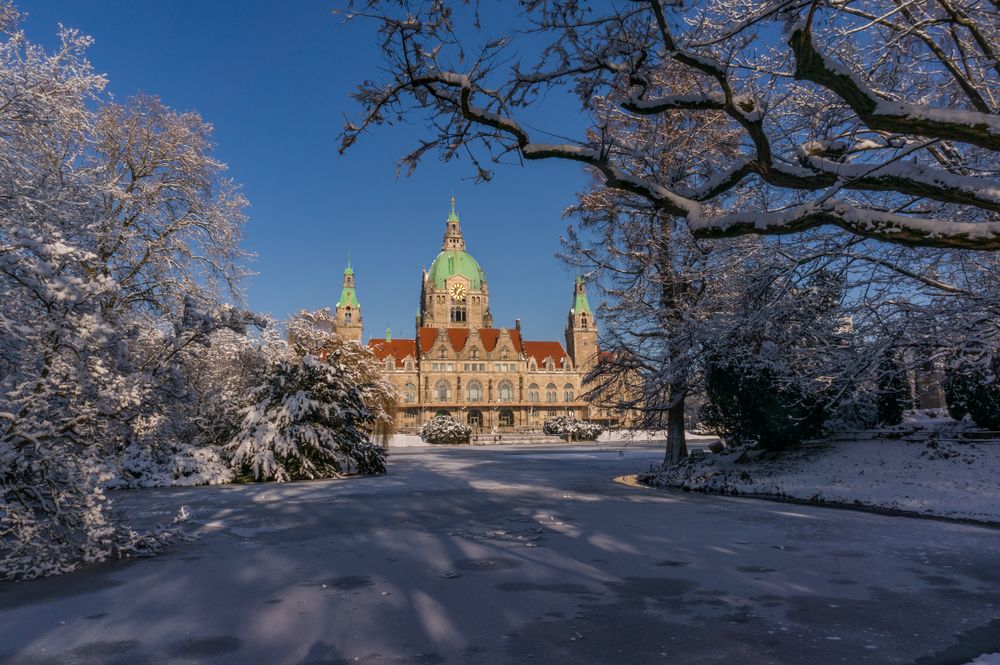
<point x="274" y="78"/>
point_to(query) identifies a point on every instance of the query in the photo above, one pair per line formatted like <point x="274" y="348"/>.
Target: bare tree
<point x="878" y="117"/>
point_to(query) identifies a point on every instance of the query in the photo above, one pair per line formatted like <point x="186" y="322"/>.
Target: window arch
<point x="458" y="314"/>
<point x="409" y="393"/>
<point x="506" y="391"/>
<point x="568" y="392"/>
<point x="347" y="315"/>
<point x="506" y="418"/>
<point x="475" y="418"/>
<point x="474" y="390"/>
<point x="442" y="390"/>
<point x="533" y="392"/>
<point x="550" y="392"/>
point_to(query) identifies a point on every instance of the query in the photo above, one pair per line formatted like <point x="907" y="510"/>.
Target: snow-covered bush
<point x="444" y="430"/>
<point x="308" y="420"/>
<point x="579" y="430"/>
<point x="972" y="386"/>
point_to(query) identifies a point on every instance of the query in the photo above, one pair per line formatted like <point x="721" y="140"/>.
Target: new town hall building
<point x="459" y="364"/>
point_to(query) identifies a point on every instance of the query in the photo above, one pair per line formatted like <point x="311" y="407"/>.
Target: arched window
<point x="568" y="392"/>
<point x="347" y="315"/>
<point x="506" y="418"/>
<point x="458" y="314"/>
<point x="550" y="392"/>
<point x="442" y="389"/>
<point x="533" y="392"/>
<point x="390" y="363"/>
<point x="475" y="353"/>
<point x="549" y="364"/>
<point x="409" y="393"/>
<point x="583" y="320"/>
<point x="533" y="365"/>
<point x="506" y="391"/>
<point x="475" y="418"/>
<point x="475" y="391"/>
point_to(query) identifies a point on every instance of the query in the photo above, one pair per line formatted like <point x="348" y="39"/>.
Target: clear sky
<point x="274" y="78"/>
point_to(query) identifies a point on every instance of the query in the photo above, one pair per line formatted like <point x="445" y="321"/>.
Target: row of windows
<point x="475" y="417"/>
<point x="474" y="392"/>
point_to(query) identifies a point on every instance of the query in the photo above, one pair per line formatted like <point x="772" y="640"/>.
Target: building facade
<point x="458" y="363"/>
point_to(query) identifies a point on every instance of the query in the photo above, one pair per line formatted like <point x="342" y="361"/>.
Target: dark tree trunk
<point x="676" y="444"/>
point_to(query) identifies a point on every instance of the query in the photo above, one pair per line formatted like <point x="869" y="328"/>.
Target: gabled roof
<point x="542" y="350"/>
<point x="398" y="349"/>
<point x="458" y="337"/>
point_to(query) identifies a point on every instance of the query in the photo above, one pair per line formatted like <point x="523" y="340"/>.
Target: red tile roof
<point x="542" y="350"/>
<point x="399" y="349"/>
<point x="458" y="337"/>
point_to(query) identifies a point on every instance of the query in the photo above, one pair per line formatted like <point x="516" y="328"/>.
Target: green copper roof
<point x="452" y="216"/>
<point x="348" y="298"/>
<point x="580" y="303"/>
<point x="348" y="270"/>
<point x="456" y="262"/>
<point x="388" y="334"/>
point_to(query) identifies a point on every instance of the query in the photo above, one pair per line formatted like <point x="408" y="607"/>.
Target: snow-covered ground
<point x="987" y="659"/>
<point x="931" y="476"/>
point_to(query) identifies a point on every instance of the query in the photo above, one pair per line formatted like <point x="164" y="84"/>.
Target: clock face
<point x="458" y="291"/>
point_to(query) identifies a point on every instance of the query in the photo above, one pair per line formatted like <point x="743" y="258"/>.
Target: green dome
<point x="456" y="262"/>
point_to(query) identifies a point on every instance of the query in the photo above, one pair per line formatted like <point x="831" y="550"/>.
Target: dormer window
<point x="475" y="353"/>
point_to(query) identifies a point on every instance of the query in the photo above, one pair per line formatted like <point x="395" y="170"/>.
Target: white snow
<point x="406" y="441"/>
<point x="935" y="476"/>
<point x="987" y="659"/>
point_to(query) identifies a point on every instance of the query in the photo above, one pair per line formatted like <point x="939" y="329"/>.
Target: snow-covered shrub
<point x="579" y="430"/>
<point x="308" y="420"/>
<point x="445" y="429"/>
<point x="972" y="386"/>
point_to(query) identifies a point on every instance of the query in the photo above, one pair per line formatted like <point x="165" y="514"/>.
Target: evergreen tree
<point x="308" y="421"/>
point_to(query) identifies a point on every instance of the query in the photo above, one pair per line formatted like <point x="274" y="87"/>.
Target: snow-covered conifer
<point x="308" y="420"/>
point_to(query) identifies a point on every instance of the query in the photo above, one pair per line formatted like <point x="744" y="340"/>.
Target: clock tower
<point x="454" y="293"/>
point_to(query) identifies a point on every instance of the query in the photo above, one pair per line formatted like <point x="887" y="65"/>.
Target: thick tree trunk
<point x="676" y="444"/>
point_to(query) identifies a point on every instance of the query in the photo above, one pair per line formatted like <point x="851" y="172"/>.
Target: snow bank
<point x="406" y="441"/>
<point x="932" y="477"/>
<point x="987" y="659"/>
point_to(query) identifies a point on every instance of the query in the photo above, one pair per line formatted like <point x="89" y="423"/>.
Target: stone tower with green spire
<point x="348" y="308"/>
<point x="455" y="294"/>
<point x="581" y="330"/>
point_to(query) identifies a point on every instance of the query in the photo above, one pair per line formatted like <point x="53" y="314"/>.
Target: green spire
<point x="388" y="334"/>
<point x="453" y="216"/>
<point x="348" y="297"/>
<point x="580" y="303"/>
